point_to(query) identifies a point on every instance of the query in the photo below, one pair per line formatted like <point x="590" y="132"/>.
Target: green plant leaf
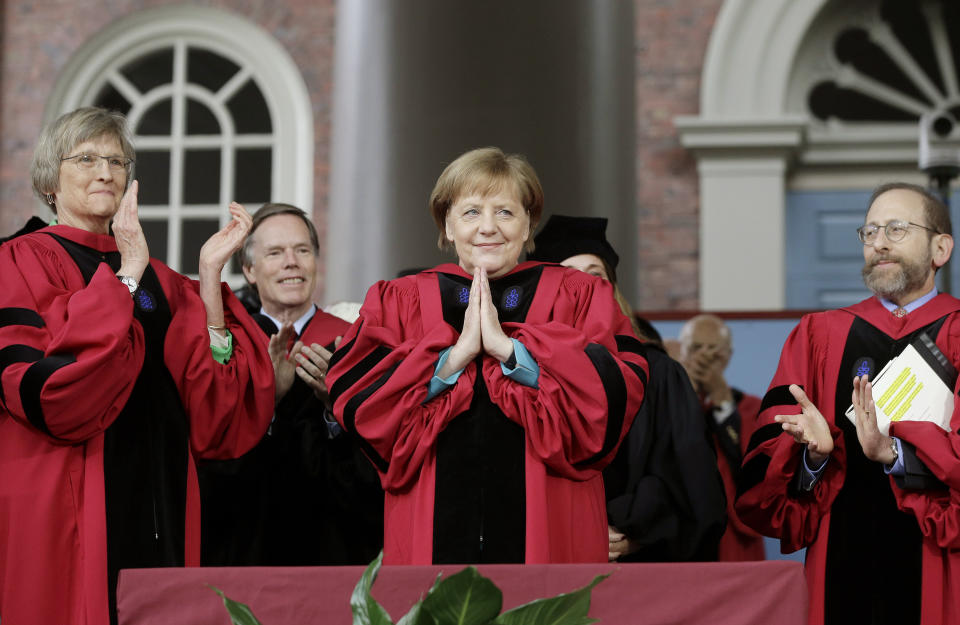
<point x="566" y="609"/>
<point x="466" y="598"/>
<point x="417" y="615"/>
<point x="239" y="613"/>
<point x="366" y="609"/>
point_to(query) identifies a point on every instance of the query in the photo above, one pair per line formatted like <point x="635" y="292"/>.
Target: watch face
<point x="130" y="282"/>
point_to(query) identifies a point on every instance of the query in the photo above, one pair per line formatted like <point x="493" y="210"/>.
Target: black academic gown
<point x="663" y="488"/>
<point x="301" y="497"/>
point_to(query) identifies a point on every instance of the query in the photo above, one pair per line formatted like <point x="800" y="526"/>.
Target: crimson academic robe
<point x="739" y="542"/>
<point x="491" y="470"/>
<point x="107" y="401"/>
<point x="874" y="550"/>
<point x="300" y="497"/>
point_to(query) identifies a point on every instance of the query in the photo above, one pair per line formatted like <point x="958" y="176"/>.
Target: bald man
<point x="731" y="414"/>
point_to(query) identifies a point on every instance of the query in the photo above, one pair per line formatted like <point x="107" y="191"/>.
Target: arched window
<point x="889" y="61"/>
<point x="806" y="107"/>
<point x="213" y="121"/>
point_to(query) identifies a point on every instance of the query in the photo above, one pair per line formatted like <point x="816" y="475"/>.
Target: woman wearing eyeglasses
<point x="116" y="374"/>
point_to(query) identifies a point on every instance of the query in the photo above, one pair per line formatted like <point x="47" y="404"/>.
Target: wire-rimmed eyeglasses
<point x="895" y="231"/>
<point x="87" y="161"/>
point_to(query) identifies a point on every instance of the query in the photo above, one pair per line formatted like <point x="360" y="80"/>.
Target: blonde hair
<point x="486" y="171"/>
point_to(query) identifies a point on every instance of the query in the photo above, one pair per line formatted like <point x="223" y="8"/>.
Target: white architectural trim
<point x="750" y="56"/>
<point x="745" y="140"/>
<point x="742" y="168"/>
<point x="236" y="38"/>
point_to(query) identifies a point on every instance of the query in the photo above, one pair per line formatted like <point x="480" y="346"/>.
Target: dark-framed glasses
<point x="894" y="231"/>
<point x="86" y="162"/>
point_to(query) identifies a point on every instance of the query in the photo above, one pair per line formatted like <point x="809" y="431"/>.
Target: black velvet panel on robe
<point x="663" y="488"/>
<point x="146" y="451"/>
<point x="874" y="549"/>
<point x="480" y="496"/>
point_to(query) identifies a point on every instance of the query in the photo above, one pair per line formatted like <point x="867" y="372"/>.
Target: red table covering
<point x="710" y="593"/>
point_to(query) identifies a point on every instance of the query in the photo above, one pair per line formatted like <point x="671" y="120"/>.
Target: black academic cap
<point x="563" y="237"/>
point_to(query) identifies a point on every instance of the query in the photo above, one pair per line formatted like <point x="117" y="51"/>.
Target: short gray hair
<point x="66" y="133"/>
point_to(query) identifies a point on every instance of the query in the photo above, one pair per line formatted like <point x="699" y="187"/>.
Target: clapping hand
<point x="808" y="427"/>
<point x="313" y="361"/>
<point x="128" y="234"/>
<point x="223" y="244"/>
<point x="876" y="446"/>
<point x="284" y="369"/>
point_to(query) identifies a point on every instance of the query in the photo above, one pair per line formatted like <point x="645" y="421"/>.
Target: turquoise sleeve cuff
<point x="222" y="354"/>
<point x="526" y="371"/>
<point x="437" y="384"/>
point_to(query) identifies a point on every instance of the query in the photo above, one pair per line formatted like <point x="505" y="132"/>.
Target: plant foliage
<point x="466" y="598"/>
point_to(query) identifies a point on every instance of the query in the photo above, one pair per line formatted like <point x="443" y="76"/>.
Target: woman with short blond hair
<point x="488" y="393"/>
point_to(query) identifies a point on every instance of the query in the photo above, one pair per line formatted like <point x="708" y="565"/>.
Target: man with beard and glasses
<point x="879" y="515"/>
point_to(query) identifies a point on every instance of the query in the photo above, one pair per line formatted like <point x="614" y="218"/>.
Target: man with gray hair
<point x="305" y="495"/>
<point x="730" y="415"/>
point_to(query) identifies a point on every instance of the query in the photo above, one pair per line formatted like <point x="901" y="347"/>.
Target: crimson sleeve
<point x="937" y="510"/>
<point x="229" y="405"/>
<point x="378" y="382"/>
<point x="69" y="352"/>
<point x="767" y="499"/>
<point x="591" y="384"/>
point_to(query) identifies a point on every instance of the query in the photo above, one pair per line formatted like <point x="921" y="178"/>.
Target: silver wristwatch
<point x="131" y="283"/>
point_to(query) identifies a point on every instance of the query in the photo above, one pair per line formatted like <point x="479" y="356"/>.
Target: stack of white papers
<point x="917" y="385"/>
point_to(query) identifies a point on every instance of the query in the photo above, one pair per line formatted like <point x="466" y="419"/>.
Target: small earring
<point x="50" y="199"/>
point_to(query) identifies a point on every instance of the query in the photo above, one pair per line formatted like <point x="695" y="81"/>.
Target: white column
<point x="743" y="167"/>
<point x="357" y="231"/>
<point x="741" y="234"/>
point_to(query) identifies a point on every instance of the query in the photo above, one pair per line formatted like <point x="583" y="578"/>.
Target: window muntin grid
<point x="204" y="136"/>
<point x="884" y="61"/>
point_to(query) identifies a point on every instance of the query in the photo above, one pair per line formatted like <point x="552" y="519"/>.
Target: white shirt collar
<point x="298" y="324"/>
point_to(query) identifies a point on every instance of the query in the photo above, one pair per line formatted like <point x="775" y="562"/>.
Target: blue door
<point x="823" y="255"/>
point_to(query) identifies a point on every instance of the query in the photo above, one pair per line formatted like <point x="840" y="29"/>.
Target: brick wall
<point x="39" y="37"/>
<point x="671" y="44"/>
<point x="671" y="39"/>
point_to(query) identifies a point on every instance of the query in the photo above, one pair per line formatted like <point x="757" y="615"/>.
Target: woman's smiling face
<point x="89" y="198"/>
<point x="488" y="231"/>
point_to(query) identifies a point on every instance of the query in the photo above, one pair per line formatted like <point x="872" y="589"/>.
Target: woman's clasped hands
<point x="482" y="332"/>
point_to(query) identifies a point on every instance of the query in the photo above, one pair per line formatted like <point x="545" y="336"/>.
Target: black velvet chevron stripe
<point x="616" y="390"/>
<point x="639" y="371"/>
<point x="344" y="349"/>
<point x="20" y="317"/>
<point x="350" y="416"/>
<point x="763" y="434"/>
<point x="357" y="371"/>
<point x="31" y="385"/>
<point x="752" y="473"/>
<point x="630" y="344"/>
<point x="778" y="396"/>
<point x="16" y="353"/>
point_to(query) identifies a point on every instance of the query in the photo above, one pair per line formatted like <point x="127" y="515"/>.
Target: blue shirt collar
<point x="912" y="306"/>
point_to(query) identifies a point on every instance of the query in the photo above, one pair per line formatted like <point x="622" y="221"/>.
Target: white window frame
<point x="260" y="58"/>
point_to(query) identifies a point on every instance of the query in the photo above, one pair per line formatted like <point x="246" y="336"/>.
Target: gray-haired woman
<point x="116" y="373"/>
